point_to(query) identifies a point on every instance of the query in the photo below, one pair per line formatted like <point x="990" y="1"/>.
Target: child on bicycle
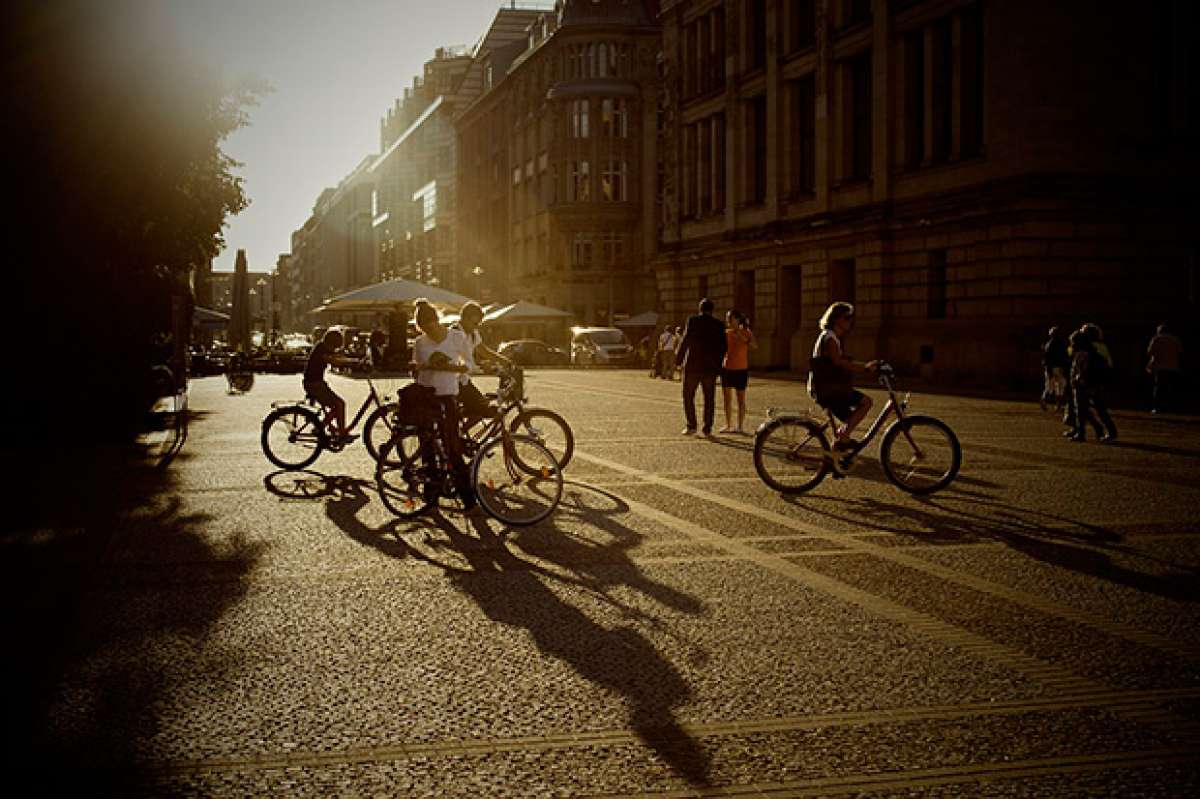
<point x="474" y="405"/>
<point x="322" y="356"/>
<point x="831" y="374"/>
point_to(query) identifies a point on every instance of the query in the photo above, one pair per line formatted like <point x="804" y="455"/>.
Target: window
<point x="756" y="112"/>
<point x="804" y="136"/>
<point x="612" y="250"/>
<point x="859" y="166"/>
<point x="614" y="117"/>
<point x="842" y="281"/>
<point x="579" y="119"/>
<point x="757" y="32"/>
<point x="802" y="24"/>
<point x="937" y="284"/>
<point x="914" y="99"/>
<point x="580" y="188"/>
<point x="972" y="81"/>
<point x="855" y="12"/>
<point x="516" y="176"/>
<point x="612" y="181"/>
<point x="718" y="166"/>
<point x="942" y="91"/>
<point x="581" y="251"/>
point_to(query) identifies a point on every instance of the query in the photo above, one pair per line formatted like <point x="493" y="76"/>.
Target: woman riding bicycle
<point x="831" y="374"/>
<point x="441" y="355"/>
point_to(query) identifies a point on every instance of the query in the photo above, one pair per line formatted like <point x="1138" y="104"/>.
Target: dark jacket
<point x="703" y="346"/>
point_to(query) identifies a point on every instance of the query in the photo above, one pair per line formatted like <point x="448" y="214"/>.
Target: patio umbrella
<point x="644" y="319"/>
<point x="239" y="323"/>
<point x="524" y="311"/>
<point x="387" y="295"/>
<point x="208" y="319"/>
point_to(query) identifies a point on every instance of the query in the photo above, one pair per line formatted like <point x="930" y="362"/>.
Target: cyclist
<point x="323" y="356"/>
<point x="831" y="374"/>
<point x="441" y="355"/>
<point x="474" y="405"/>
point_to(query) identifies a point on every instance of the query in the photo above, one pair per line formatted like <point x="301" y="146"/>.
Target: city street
<point x="674" y="629"/>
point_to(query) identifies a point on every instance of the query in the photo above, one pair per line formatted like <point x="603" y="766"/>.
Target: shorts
<point x="735" y="378"/>
<point x="322" y="393"/>
<point x="843" y="407"/>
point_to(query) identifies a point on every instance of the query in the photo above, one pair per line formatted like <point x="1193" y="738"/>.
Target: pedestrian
<point x="1164" y="351"/>
<point x="735" y="372"/>
<point x="701" y="353"/>
<point x="1056" y="364"/>
<point x="376" y="350"/>
<point x="1090" y="368"/>
<point x="665" y="351"/>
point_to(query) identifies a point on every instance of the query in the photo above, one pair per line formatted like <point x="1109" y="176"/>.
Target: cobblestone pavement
<point x="675" y="629"/>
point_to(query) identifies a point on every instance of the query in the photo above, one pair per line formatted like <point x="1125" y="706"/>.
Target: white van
<point x="600" y="346"/>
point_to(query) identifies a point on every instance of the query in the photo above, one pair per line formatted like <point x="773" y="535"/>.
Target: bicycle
<point x="515" y="478"/>
<point x="919" y="454"/>
<point x="541" y="424"/>
<point x="295" y="433"/>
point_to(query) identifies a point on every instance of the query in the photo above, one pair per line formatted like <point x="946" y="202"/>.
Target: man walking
<point x="701" y="353"/>
<point x="1164" y="351"/>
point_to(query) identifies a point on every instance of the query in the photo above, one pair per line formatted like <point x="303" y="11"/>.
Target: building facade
<point x="967" y="172"/>
<point x="558" y="197"/>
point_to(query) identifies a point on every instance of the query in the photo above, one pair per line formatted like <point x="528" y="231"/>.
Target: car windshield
<point x="607" y="337"/>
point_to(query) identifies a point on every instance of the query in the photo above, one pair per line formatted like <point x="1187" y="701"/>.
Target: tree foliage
<point x="126" y="190"/>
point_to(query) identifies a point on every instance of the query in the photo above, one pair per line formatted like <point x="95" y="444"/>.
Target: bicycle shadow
<point x="518" y="591"/>
<point x="1059" y="541"/>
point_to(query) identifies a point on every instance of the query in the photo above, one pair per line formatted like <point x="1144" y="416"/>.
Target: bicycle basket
<point x="418" y="404"/>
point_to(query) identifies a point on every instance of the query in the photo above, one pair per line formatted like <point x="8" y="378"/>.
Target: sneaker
<point x="688" y="431"/>
<point x="1077" y="438"/>
<point x="1108" y="439"/>
<point x="741" y="431"/>
<point x="708" y="434"/>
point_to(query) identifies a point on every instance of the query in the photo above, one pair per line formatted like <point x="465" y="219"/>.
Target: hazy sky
<point x="336" y="67"/>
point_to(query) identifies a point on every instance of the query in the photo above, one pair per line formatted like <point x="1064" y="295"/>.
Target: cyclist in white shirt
<point x="441" y="354"/>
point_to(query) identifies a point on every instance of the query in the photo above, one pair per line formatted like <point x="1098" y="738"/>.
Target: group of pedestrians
<point x="707" y="350"/>
<point x="1078" y="369"/>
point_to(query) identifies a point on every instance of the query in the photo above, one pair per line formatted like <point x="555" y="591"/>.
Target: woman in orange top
<point x="735" y="374"/>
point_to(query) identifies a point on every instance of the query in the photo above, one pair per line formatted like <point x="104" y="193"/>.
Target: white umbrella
<point x="387" y="295"/>
<point x="645" y="319"/>
<point x="525" y="312"/>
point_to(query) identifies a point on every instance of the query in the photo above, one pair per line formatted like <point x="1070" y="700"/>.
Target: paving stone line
<point x="1113" y="628"/>
<point x="934" y="777"/>
<point x="1137" y="704"/>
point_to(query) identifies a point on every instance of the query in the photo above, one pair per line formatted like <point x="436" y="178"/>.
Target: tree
<point x="126" y="189"/>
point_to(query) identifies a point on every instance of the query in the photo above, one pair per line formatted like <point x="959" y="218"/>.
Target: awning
<point x="208" y="319"/>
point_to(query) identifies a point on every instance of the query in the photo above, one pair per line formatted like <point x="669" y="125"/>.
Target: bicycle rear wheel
<point x="516" y="480"/>
<point x="292" y="437"/>
<point x="548" y="429"/>
<point x="791" y="455"/>
<point x="920" y="455"/>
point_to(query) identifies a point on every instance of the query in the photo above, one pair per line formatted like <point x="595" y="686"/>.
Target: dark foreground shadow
<point x="96" y="565"/>
<point x="483" y="561"/>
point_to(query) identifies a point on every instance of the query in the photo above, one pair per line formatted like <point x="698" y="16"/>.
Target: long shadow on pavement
<point x="92" y="579"/>
<point x="516" y="592"/>
<point x="1056" y="540"/>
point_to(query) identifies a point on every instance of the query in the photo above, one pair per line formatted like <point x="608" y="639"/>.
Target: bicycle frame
<point x="893" y="405"/>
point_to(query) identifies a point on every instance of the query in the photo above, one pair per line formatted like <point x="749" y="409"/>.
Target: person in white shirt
<point x="474" y="405"/>
<point x="441" y="355"/>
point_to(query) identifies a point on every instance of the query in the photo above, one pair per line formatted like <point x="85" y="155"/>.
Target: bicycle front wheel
<point x="516" y="480"/>
<point x="292" y="438"/>
<point x="381" y="427"/>
<point x="920" y="455"/>
<point x="791" y="455"/>
<point x="548" y="429"/>
<point x="405" y="488"/>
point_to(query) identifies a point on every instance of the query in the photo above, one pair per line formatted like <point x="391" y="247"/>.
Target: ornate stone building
<point x="967" y="172"/>
<point x="556" y="162"/>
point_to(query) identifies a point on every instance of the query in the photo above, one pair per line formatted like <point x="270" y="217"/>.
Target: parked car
<point x="596" y="346"/>
<point x="531" y="352"/>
